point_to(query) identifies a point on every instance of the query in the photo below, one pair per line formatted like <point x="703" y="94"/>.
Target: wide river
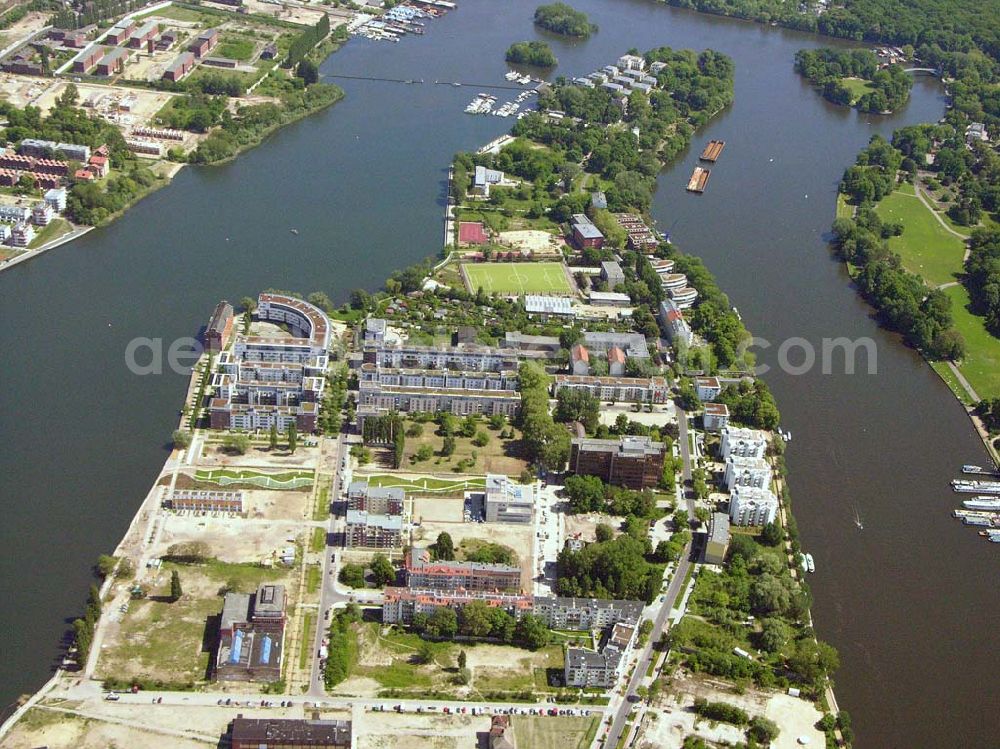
<point x="907" y="601"/>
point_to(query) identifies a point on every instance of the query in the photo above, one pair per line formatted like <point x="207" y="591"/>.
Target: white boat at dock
<point x="964" y="486"/>
<point x="984" y="504"/>
<point x="979" y="470"/>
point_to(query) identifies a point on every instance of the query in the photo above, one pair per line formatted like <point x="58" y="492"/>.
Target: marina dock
<point x="713" y="150"/>
<point x="699" y="178"/>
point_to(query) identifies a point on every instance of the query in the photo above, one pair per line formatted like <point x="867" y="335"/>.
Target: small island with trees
<point x="560" y="18"/>
<point x="853" y="78"/>
<point x="538" y="54"/>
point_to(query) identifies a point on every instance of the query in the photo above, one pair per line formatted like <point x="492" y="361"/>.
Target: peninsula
<point x="510" y="493"/>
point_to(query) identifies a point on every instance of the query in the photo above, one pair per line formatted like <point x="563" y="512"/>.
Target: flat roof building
<point x="718" y="539"/>
<point x="612" y="273"/>
<point x="508" y="502"/>
<point x="289" y="733"/>
<point x="634" y="462"/>
<point x="369" y="530"/>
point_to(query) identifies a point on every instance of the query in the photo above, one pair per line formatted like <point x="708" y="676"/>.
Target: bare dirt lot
<point x="159" y="639"/>
<point x="438" y="509"/>
<point x="230" y="539"/>
<point x="673" y="719"/>
<point x="259" y="456"/>
<point x="584" y="527"/>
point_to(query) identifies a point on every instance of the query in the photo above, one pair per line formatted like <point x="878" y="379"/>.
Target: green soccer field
<point x="517" y="278"/>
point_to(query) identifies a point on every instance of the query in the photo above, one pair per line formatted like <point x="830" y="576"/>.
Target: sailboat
<point x="857" y="520"/>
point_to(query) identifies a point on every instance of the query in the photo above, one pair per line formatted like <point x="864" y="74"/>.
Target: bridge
<point x="933" y="71"/>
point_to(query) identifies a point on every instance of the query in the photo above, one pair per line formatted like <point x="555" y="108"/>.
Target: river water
<point x="364" y="185"/>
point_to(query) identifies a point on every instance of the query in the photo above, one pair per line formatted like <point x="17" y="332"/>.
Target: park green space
<point x="518" y="278"/>
<point x="283" y="480"/>
<point x="925" y="246"/>
<point x="235" y="47"/>
<point x="57" y="228"/>
<point x="857" y="86"/>
<point x="505" y="456"/>
<point x="981" y="365"/>
<point x="428" y="484"/>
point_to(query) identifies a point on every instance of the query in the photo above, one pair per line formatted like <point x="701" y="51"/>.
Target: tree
<point x="236" y="443"/>
<point x="69" y="97"/>
<point x="773" y="635"/>
<point x="771" y="534"/>
<point x="293" y="436"/>
<point x="175" y="585"/>
<point x="424" y="452"/>
<point x="444" y="547"/>
<point x="448" y="446"/>
<point x="308" y="72"/>
<point x="477" y="620"/>
<point x="414" y="430"/>
<point x="443" y="623"/>
<point x="425" y="653"/>
<point x="531" y="632"/>
<point x="461" y="659"/>
<point x="383" y="573"/>
<point x="352" y="575"/>
<point x="586" y="493"/>
<point x="482" y="439"/>
<point x="105" y="565"/>
<point x="274" y="436"/>
<point x="182" y="438"/>
<point x="604" y="532"/>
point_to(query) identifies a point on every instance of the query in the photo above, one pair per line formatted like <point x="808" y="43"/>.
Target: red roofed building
<point x="579" y="360"/>
<point x="99" y="165"/>
<point x="424" y="574"/>
<point x="616" y="362"/>
<point x="400" y="604"/>
<point x="472" y="232"/>
<point x="84" y="175"/>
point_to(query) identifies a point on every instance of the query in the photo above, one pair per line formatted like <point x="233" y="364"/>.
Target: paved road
<point x="674" y="591"/>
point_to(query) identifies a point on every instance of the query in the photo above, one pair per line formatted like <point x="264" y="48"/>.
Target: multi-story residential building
<point x="368" y="530"/>
<point x="204" y="42"/>
<point x="585" y="234"/>
<point x="743" y="443"/>
<point x="220" y="327"/>
<point x="579" y="360"/>
<point x="716" y="417"/>
<point x="286" y="733"/>
<point x="475" y="380"/>
<point x="464" y="357"/>
<point x="400" y="604"/>
<point x="508" y="502"/>
<point x="616" y="362"/>
<point x="600" y="668"/>
<point x="201" y="500"/>
<point x="142" y="36"/>
<point x="707" y="388"/>
<point x="56" y="199"/>
<point x="42" y="214"/>
<point x="612" y="274"/>
<point x="182" y="65"/>
<point x="22" y="234"/>
<point x="633" y="344"/>
<point x="747" y="472"/>
<point x="634" y="462"/>
<point x="674" y="325"/>
<point x="749" y="505"/>
<point x="264" y="381"/>
<point x="424" y="574"/>
<point x="375" y="398"/>
<point x="379" y="500"/>
<point x="718" y="538"/>
<point x="585" y="613"/>
<point x="374" y="332"/>
<point x="618" y="389"/>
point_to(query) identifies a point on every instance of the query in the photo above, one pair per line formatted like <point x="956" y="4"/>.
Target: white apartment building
<point x="750" y="505"/>
<point x="743" y="443"/>
<point x="747" y="472"/>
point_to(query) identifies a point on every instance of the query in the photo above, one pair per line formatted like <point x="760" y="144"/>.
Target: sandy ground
<point x="230" y="539"/>
<point x="516" y="536"/>
<point x="213" y="456"/>
<point x="411" y="731"/>
<point x="438" y="510"/>
<point x="530" y="239"/>
<point x="584" y="527"/>
<point x="59" y="730"/>
<point x="295" y="14"/>
<point x="667" y="725"/>
<point x="21" y="90"/>
<point x="111" y="102"/>
<point x="661" y="414"/>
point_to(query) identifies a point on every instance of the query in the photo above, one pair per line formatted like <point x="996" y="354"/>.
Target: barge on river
<point x="713" y="150"/>
<point x="699" y="178"/>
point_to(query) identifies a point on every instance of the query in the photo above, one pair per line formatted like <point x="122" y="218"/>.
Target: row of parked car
<point x="554" y="711"/>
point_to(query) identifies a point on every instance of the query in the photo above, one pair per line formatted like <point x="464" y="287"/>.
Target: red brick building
<point x="220" y="327"/>
<point x="204" y="43"/>
<point x="633" y="462"/>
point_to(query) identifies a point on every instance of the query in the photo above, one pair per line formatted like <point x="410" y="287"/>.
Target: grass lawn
<point x="308" y="633"/>
<point x="177" y="13"/>
<point x="858" y="87"/>
<point x="313" y="575"/>
<point x="844" y="209"/>
<point x="518" y="278"/>
<point x="547" y="733"/>
<point x="925" y="246"/>
<point x="428" y="485"/>
<point x="57" y="228"/>
<point x="235" y="48"/>
<point x="496" y="456"/>
<point x="284" y="480"/>
<point x="317" y="541"/>
<point x="981" y="366"/>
